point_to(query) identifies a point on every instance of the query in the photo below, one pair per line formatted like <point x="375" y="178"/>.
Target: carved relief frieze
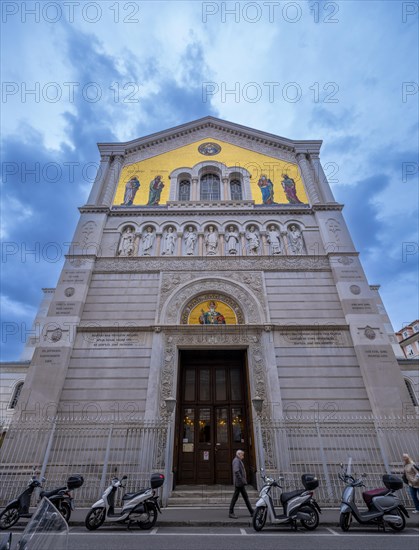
<point x="274" y="263"/>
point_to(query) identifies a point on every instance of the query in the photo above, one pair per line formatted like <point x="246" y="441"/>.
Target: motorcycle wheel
<point x="95" y="518"/>
<point x="151" y="512"/>
<point x="345" y="521"/>
<point x="259" y="518"/>
<point x="65" y="510"/>
<point x="400" y="525"/>
<point x="313" y="522"/>
<point x="8" y="518"/>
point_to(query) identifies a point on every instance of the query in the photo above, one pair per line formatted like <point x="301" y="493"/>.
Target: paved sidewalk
<point x="218" y="517"/>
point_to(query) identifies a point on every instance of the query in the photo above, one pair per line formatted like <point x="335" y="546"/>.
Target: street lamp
<point x="258" y="404"/>
<point x="170" y="403"/>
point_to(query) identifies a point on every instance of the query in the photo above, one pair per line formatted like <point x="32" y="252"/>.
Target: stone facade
<point x="316" y="333"/>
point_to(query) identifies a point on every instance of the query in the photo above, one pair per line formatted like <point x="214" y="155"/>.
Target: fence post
<point x="106" y="460"/>
<point x="48" y="449"/>
<point x="324" y="463"/>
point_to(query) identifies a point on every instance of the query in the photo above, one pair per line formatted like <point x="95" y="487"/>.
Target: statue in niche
<point x="211" y="317"/>
<point x="267" y="189"/>
<point x="295" y="240"/>
<point x="190" y="240"/>
<point x="148" y="241"/>
<point x="131" y="188"/>
<point x="232" y="241"/>
<point x="126" y="245"/>
<point x="272" y="236"/>
<point x="288" y="185"/>
<point x="253" y="242"/>
<point x="169" y="242"/>
<point x="211" y="241"/>
<point x="156" y="187"/>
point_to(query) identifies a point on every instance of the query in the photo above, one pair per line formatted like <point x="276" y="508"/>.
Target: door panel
<point x="213" y="423"/>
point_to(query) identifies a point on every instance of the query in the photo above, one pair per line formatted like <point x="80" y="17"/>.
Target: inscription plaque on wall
<point x="49" y="356"/>
<point x="64" y="308"/>
<point x="312" y="338"/>
<point x="113" y="339"/>
<point x="74" y="277"/>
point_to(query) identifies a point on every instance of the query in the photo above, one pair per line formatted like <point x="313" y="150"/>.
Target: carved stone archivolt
<point x="216" y="335"/>
<point x="254" y="309"/>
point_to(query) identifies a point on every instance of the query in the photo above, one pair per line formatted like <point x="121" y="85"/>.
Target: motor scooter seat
<point x="51" y="493"/>
<point x="369" y="495"/>
<point x="285" y="497"/>
<point x="129" y="496"/>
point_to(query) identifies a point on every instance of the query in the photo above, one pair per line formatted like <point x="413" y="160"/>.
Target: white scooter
<point x="140" y="507"/>
<point x="297" y="505"/>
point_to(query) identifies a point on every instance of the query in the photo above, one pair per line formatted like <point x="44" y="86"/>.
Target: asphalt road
<point x="199" y="538"/>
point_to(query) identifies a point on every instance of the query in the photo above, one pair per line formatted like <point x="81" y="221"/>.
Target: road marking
<point x="243" y="532"/>
<point x="154" y="531"/>
<point x="333" y="532"/>
<point x="277" y="535"/>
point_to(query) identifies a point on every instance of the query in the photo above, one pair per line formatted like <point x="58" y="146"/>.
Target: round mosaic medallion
<point x="209" y="149"/>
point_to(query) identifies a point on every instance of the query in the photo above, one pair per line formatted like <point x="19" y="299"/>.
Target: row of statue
<point x="292" y="238"/>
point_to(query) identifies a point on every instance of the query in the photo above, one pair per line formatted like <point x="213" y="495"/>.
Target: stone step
<point x="206" y="495"/>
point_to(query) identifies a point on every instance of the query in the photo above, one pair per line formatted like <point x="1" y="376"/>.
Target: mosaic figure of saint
<point x="169" y="242"/>
<point x="253" y="241"/>
<point x="211" y="241"/>
<point x="190" y="240"/>
<point x="288" y="185"/>
<point x="131" y="188"/>
<point x="272" y="236"/>
<point x="211" y="316"/>
<point x="295" y="240"/>
<point x="267" y="189"/>
<point x="232" y="241"/>
<point x="126" y="246"/>
<point x="148" y="241"/>
<point x="156" y="187"/>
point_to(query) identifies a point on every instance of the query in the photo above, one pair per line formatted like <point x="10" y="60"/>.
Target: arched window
<point x="15" y="396"/>
<point x="411" y="392"/>
<point x="236" y="190"/>
<point x="185" y="190"/>
<point x="210" y="187"/>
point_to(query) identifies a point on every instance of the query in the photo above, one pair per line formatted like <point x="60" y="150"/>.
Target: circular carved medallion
<point x="56" y="335"/>
<point x="69" y="291"/>
<point x="370" y="333"/>
<point x="355" y="289"/>
<point x="209" y="149"/>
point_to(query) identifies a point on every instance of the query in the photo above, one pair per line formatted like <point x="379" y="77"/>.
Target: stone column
<point x="200" y="244"/>
<point x="194" y="190"/>
<point x="310" y="184"/>
<point x="243" y="241"/>
<point x="224" y="194"/>
<point x="284" y="235"/>
<point x="221" y="245"/>
<point x="265" y="245"/>
<point x="101" y="175"/>
<point x="179" y="243"/>
<point x="158" y="243"/>
<point x="113" y="180"/>
<point x="321" y="179"/>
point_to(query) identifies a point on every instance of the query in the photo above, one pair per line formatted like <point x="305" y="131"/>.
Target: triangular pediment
<point x="213" y="127"/>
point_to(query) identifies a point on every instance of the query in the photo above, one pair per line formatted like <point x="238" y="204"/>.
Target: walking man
<point x="240" y="482"/>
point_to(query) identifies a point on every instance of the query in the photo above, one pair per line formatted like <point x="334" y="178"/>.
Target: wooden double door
<point x="213" y="421"/>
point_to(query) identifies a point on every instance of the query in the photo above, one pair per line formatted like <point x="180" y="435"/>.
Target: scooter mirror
<point x="341" y="464"/>
<point x="364" y="475"/>
<point x="124" y="477"/>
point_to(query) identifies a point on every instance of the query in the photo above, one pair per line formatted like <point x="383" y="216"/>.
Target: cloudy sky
<point x="78" y="73"/>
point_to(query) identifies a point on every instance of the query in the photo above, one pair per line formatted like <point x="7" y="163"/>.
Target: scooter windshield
<point x="47" y="529"/>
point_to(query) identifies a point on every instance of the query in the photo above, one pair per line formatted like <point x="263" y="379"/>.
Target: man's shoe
<point x="232" y="516"/>
<point x="415" y="511"/>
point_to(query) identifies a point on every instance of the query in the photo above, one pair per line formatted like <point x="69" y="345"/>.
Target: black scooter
<point x="61" y="498"/>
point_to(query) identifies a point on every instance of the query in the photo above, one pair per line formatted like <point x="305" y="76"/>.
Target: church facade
<point x="212" y="271"/>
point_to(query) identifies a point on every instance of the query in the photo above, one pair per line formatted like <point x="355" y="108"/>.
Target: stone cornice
<point x="266" y="327"/>
<point x="209" y="122"/>
<point x="202" y="209"/>
<point x="333" y="206"/>
<point x="92" y="209"/>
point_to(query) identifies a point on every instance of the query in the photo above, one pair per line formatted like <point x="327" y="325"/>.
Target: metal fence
<point x="98" y="452"/>
<point x="288" y="448"/>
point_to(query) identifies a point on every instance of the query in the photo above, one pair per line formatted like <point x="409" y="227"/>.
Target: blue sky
<point x="88" y="72"/>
